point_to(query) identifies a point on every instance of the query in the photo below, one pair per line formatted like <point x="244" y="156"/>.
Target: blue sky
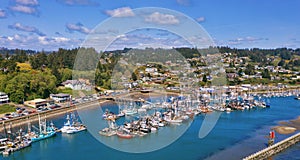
<point x="53" y="24"/>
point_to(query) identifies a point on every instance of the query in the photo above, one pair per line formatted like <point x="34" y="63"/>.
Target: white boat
<point x="153" y="129"/>
<point x="121" y="114"/>
<point x="72" y="127"/>
<point x="3" y="144"/>
<point x="141" y="110"/>
<point x="129" y="112"/>
<point x="174" y="121"/>
<point x="216" y="108"/>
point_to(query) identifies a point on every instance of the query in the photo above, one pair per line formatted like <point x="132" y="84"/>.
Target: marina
<point x="232" y="130"/>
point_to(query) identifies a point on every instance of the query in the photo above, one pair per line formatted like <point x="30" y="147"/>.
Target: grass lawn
<point x="6" y="108"/>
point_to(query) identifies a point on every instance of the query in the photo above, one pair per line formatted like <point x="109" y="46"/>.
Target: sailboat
<point x="72" y="125"/>
<point x="44" y="131"/>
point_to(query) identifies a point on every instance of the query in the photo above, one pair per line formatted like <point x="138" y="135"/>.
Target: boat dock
<point x="274" y="149"/>
<point x="18" y="121"/>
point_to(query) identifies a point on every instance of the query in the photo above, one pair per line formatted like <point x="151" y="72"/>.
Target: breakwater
<point x="274" y="149"/>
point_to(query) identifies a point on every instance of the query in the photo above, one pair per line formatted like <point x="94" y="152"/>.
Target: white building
<point x="3" y="98"/>
<point x="61" y="97"/>
<point x="77" y="85"/>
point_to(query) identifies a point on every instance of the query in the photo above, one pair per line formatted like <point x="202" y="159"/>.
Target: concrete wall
<point x="274" y="149"/>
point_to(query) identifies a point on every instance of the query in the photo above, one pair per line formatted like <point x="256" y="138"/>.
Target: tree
<point x="249" y="69"/>
<point x="133" y="76"/>
<point x="266" y="74"/>
<point x="204" y="79"/>
<point x="240" y="72"/>
<point x="281" y="62"/>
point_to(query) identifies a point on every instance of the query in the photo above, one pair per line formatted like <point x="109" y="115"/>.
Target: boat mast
<point x="9" y="131"/>
<point x="45" y="126"/>
<point x="29" y="127"/>
<point x="40" y="127"/>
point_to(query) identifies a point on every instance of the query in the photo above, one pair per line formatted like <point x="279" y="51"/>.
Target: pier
<point x="274" y="149"/>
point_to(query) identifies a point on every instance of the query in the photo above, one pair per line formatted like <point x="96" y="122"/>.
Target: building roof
<point x="60" y="95"/>
<point x="38" y="100"/>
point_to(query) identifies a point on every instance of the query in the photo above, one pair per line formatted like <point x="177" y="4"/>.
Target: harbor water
<point x="236" y="135"/>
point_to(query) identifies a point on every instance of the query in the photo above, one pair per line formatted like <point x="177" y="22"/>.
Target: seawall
<point x="18" y="121"/>
<point x="274" y="149"/>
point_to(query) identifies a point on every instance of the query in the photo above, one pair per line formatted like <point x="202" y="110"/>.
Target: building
<point x="3" y="98"/>
<point x="77" y="85"/>
<point x="36" y="103"/>
<point x="60" y="98"/>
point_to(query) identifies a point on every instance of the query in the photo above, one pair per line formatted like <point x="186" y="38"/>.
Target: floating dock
<point x="274" y="149"/>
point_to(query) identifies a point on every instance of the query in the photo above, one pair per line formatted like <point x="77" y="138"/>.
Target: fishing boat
<point x="218" y="108"/>
<point x="44" y="132"/>
<point x="72" y="125"/>
<point x="130" y="112"/>
<point x="3" y="144"/>
<point x="124" y="135"/>
<point x="107" y="132"/>
<point x="19" y="143"/>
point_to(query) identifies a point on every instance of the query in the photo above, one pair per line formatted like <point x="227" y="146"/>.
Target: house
<point x="36" y="103"/>
<point x="76" y="85"/>
<point x="3" y="98"/>
<point x="150" y="70"/>
<point x="61" y="97"/>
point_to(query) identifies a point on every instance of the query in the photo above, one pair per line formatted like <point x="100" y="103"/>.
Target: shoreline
<point x="18" y="121"/>
<point x="283" y="128"/>
<point x="48" y="114"/>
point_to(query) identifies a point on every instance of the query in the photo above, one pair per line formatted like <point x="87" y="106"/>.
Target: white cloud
<point x="145" y="40"/>
<point x="61" y="39"/>
<point x="200" y="19"/>
<point x="20" y="27"/>
<point x="43" y="40"/>
<point x="248" y="39"/>
<point x="120" y="12"/>
<point x="2" y="13"/>
<point x="28" y="2"/>
<point x="77" y="27"/>
<point x="23" y="9"/>
<point x="161" y="18"/>
<point x="38" y="42"/>
<point x="78" y="2"/>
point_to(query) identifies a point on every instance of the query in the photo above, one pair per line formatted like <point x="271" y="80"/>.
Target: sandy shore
<point x="288" y="127"/>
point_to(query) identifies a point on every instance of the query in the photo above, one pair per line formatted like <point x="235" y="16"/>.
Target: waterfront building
<point x="36" y="103"/>
<point x="60" y="98"/>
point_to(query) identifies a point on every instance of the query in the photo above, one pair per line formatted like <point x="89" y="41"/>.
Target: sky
<point x="52" y="24"/>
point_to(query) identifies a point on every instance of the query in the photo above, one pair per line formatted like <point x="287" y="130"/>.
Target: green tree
<point x="204" y="79"/>
<point x="133" y="76"/>
<point x="249" y="69"/>
<point x="281" y="62"/>
<point x="266" y="74"/>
